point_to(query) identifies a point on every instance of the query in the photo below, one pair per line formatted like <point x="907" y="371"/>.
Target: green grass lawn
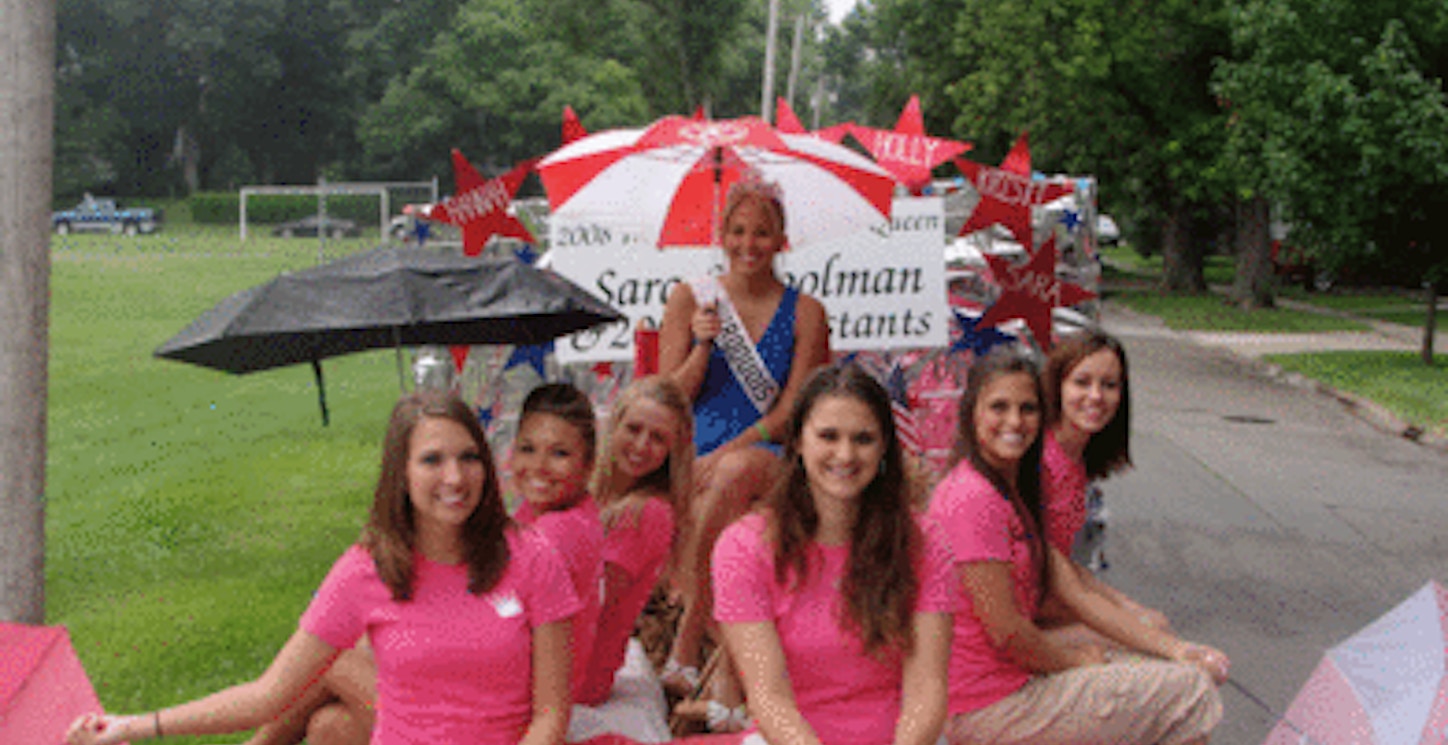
<point x="1398" y="381"/>
<point x="191" y="513"/>
<point x="1216" y="269"/>
<point x="1214" y="313"/>
<point x="1394" y="307"/>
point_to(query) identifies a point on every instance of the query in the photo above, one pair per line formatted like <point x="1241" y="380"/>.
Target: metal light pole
<point x="27" y="103"/>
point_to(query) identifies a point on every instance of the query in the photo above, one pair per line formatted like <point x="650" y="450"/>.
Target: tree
<point x="1116" y="91"/>
<point x="1338" y="114"/>
<point x="493" y="84"/>
<point x="27" y="34"/>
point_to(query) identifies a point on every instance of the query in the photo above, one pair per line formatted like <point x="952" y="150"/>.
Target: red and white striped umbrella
<point x="669" y="180"/>
<point x="1385" y="685"/>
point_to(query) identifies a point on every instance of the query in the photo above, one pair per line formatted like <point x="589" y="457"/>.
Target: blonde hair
<point x="672" y="480"/>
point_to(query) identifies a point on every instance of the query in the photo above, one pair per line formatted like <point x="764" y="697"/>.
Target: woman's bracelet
<point x="156" y="720"/>
<point x="763" y="431"/>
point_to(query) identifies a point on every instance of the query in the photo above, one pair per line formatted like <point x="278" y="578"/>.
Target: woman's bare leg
<point x="737" y="480"/>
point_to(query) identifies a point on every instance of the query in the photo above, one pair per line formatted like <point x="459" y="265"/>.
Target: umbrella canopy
<point x="672" y="177"/>
<point x="387" y="297"/>
<point x="43" y="687"/>
<point x="1385" y="685"/>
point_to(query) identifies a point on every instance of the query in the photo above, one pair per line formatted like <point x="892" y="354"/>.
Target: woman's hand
<point x="101" y="729"/>
<point x="705" y="323"/>
<point x="1211" y="660"/>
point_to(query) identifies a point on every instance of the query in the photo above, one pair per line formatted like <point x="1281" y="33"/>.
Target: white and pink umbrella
<point x="1385" y="685"/>
<point x="669" y="180"/>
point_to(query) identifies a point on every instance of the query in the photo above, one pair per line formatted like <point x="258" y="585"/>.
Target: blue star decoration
<point x="526" y="254"/>
<point x="974" y="339"/>
<point x="1071" y="219"/>
<point x="485" y="416"/>
<point x="532" y="355"/>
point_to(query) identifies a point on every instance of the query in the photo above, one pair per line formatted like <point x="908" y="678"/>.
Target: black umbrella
<point x="385" y="298"/>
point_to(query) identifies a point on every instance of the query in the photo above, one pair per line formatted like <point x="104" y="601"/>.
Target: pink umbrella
<point x="43" y="688"/>
<point x="1385" y="685"/>
<point x="671" y="178"/>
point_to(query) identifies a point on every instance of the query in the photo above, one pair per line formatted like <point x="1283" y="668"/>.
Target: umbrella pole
<point x="397" y="345"/>
<point x="321" y="391"/>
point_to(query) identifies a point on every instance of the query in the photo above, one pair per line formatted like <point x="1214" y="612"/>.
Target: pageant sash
<point x="748" y="367"/>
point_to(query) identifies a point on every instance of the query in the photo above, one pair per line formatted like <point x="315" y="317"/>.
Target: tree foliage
<point x="168" y="96"/>
<point x="1339" y="115"/>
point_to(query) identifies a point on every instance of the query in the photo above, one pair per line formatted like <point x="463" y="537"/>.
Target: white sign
<point x="881" y="289"/>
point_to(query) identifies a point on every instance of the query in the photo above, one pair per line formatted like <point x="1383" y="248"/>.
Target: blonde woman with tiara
<point x="739" y="346"/>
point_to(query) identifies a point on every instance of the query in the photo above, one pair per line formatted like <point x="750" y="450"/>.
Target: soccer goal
<point x="391" y="196"/>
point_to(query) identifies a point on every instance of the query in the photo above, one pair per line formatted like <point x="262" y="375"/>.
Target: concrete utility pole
<point x="27" y="103"/>
<point x="766" y="90"/>
<point x="794" y="54"/>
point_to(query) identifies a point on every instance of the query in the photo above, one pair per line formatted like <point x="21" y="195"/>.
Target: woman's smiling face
<point x="643" y="438"/>
<point x="1007" y="419"/>
<point x="1091" y="392"/>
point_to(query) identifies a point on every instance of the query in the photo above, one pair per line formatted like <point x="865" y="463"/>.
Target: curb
<point x="1365" y="409"/>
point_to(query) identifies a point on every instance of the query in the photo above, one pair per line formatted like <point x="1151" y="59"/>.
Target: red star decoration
<point x="1008" y="193"/>
<point x="785" y="120"/>
<point x="906" y="151"/>
<point x="787" y="123"/>
<point x="480" y="206"/>
<point x="572" y="127"/>
<point x="1030" y="292"/>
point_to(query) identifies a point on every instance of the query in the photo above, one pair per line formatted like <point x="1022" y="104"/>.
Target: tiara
<point x="752" y="182"/>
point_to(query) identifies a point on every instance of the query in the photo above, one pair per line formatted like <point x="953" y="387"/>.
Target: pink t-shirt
<point x="1063" y="494"/>
<point x="577" y="533"/>
<point x="847" y="696"/>
<point x="639" y="547"/>
<point x="980" y="524"/>
<point x="452" y="667"/>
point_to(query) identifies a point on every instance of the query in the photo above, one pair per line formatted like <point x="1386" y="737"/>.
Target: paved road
<point x="1264" y="518"/>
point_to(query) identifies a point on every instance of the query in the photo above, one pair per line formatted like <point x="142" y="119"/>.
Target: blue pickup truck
<point x="103" y="215"/>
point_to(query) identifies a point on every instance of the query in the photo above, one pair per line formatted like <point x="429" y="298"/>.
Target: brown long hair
<point x="674" y="478"/>
<point x="880" y="584"/>
<point x="391" y="532"/>
<point x="1109" y="450"/>
<point x="1026" y="497"/>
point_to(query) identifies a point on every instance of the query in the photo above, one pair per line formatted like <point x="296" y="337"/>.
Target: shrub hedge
<point x="224" y="208"/>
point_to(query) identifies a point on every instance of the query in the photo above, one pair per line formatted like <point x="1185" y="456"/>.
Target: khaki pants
<point x="1135" y="702"/>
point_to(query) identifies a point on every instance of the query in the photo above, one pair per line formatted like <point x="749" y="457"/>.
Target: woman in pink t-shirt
<point x="834" y="605"/>
<point x="1087" y="437"/>
<point x="466" y="611"/>
<point x="640" y="483"/>
<point x="1009" y="681"/>
<point x="552" y="460"/>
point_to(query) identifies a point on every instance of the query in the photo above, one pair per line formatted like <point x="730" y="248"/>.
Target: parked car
<point x="1107" y="232"/>
<point x="309" y="226"/>
<point x="105" y="216"/>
